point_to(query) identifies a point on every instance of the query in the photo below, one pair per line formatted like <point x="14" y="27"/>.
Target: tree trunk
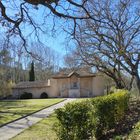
<point x="119" y="84"/>
<point x="138" y="82"/>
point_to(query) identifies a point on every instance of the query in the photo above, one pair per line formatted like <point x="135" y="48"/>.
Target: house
<point x="74" y="84"/>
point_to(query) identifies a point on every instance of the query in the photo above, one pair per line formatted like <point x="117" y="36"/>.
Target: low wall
<point x="36" y="92"/>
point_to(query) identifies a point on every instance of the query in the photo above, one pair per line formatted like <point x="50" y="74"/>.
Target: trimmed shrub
<point x="91" y="118"/>
<point x="44" y="95"/>
<point x="76" y="121"/>
<point x="26" y="95"/>
<point x="109" y="110"/>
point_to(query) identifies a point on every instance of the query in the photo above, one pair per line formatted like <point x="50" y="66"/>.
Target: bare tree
<point x="111" y="42"/>
<point x="47" y="62"/>
<point x="71" y="61"/>
<point x="18" y="16"/>
<point x="113" y="28"/>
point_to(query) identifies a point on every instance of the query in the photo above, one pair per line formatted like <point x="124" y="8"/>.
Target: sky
<point x="55" y="41"/>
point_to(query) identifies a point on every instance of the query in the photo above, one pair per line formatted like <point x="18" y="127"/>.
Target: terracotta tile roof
<point x="78" y="73"/>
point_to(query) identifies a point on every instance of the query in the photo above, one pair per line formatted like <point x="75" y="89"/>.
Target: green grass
<point x="43" y="130"/>
<point x="14" y="109"/>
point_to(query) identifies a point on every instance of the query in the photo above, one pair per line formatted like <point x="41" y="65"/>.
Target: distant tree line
<point x="15" y="64"/>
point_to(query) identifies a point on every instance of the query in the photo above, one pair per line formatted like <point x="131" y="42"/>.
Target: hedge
<point x="91" y="118"/>
<point x="109" y="110"/>
<point x="75" y="121"/>
<point x="26" y="95"/>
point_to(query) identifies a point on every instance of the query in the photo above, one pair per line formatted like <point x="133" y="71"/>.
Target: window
<point x="75" y="85"/>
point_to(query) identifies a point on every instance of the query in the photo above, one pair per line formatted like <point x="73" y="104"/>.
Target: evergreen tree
<point x="31" y="73"/>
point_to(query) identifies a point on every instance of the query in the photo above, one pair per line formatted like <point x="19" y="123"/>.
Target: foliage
<point x="5" y="57"/>
<point x="129" y="127"/>
<point x="118" y="138"/>
<point x="76" y="121"/>
<point x="91" y="118"/>
<point x="32" y="73"/>
<point x="135" y="134"/>
<point x="5" y="88"/>
<point x="5" y="73"/>
<point x="26" y="95"/>
<point x="109" y="110"/>
<point x="44" y="95"/>
<point x="112" y="90"/>
<point x="44" y="129"/>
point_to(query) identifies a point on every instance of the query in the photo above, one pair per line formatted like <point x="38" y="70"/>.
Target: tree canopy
<point x="107" y="33"/>
<point x="111" y="42"/>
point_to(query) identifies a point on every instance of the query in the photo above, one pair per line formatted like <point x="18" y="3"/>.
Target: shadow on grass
<point x="11" y="104"/>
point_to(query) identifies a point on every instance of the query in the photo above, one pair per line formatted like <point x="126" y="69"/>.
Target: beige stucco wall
<point x="88" y="86"/>
<point x="54" y="90"/>
<point x="36" y="92"/>
<point x="61" y="87"/>
<point x="73" y="79"/>
<point x="98" y="85"/>
<point x="85" y="86"/>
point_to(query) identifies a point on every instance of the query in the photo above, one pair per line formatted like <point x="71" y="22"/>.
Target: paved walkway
<point x="12" y="129"/>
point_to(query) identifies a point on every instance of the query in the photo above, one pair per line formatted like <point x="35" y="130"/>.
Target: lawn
<point x="128" y="129"/>
<point x="14" y="109"/>
<point x="43" y="130"/>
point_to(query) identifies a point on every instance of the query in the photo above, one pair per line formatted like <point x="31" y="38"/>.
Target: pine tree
<point x="31" y="73"/>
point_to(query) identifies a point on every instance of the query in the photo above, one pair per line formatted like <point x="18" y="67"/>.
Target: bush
<point x="5" y="88"/>
<point x="76" y="121"/>
<point x="91" y="118"/>
<point x="44" y="95"/>
<point x="109" y="111"/>
<point x="26" y="95"/>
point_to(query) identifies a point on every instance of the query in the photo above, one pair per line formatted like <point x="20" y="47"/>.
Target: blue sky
<point x="57" y="41"/>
